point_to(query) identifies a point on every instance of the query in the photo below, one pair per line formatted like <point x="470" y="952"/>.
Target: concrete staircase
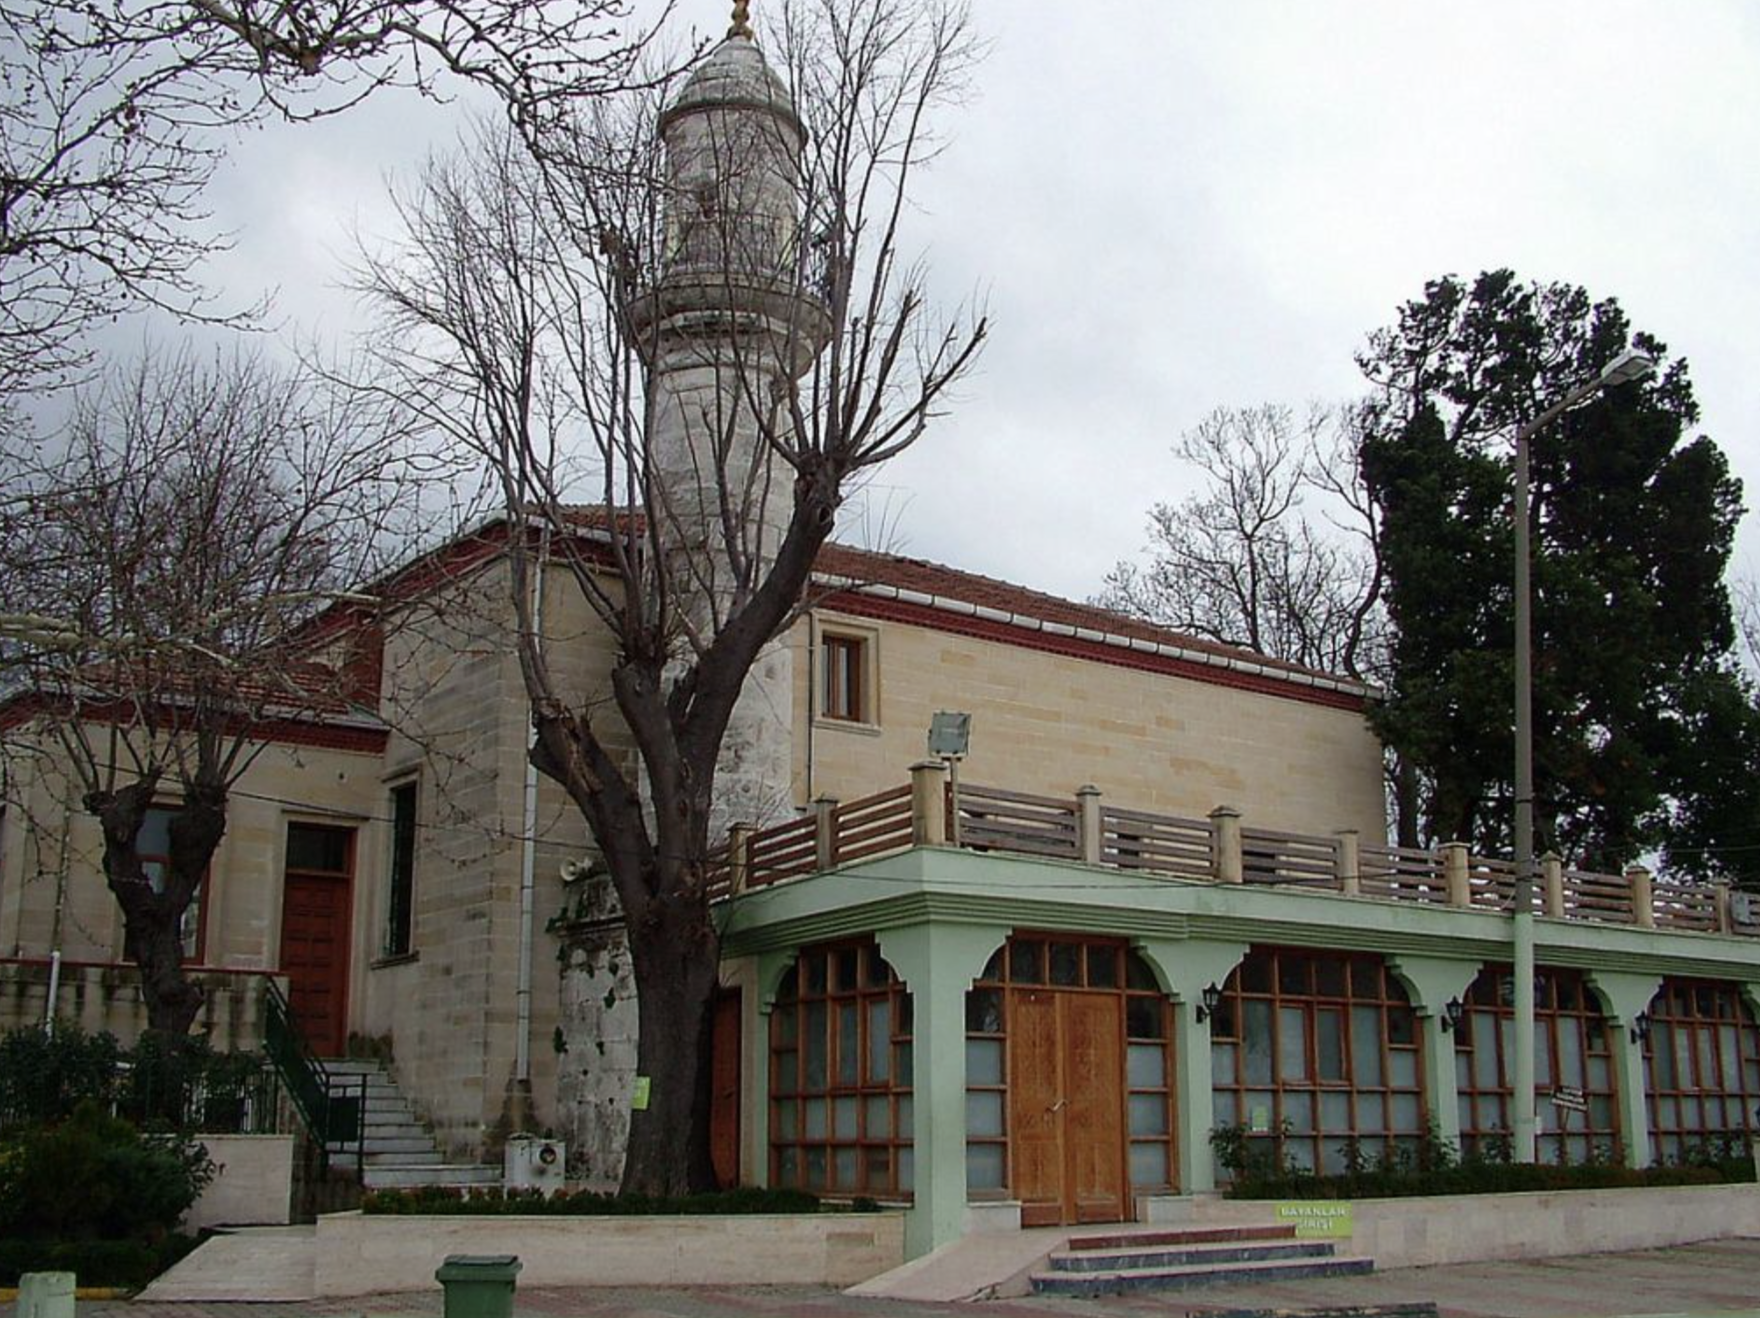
<point x="1189" y="1258"/>
<point x="398" y="1151"/>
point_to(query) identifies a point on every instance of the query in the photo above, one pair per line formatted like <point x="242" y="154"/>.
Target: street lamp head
<point x="1630" y="365"/>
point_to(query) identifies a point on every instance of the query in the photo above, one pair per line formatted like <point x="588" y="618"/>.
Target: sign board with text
<point x="1316" y="1219"/>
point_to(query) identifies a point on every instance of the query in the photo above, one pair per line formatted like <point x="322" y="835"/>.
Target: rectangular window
<point x="843" y="691"/>
<point x="153" y="845"/>
<point x="399" y="911"/>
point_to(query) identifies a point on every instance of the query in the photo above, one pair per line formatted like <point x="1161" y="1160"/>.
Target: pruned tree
<point x="1633" y="520"/>
<point x="1275" y="551"/>
<point x="113" y="116"/>
<point x="708" y="332"/>
<point x="157" y="573"/>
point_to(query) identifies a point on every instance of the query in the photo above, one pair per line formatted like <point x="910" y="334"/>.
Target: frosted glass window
<point x="983" y="1115"/>
<point x="1146" y="1065"/>
<point x="1292" y="1044"/>
<point x="1366" y="1047"/>
<point x="1329" y="1043"/>
<point x="1402" y="1068"/>
<point x="985" y="1167"/>
<point x="879" y="1040"/>
<point x="1149" y="1165"/>
<point x="845" y="1115"/>
<point x="1148" y="1114"/>
<point x="983" y="1061"/>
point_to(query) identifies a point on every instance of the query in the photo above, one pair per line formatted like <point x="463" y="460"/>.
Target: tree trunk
<point x="675" y="954"/>
<point x="152" y="920"/>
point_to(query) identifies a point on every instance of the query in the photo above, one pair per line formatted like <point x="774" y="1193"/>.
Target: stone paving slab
<point x="1717" y="1278"/>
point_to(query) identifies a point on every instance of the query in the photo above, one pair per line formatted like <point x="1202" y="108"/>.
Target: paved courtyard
<point x="1718" y="1277"/>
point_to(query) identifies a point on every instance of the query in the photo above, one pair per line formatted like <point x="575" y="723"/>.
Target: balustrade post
<point x="1088" y="825"/>
<point x="1720" y="895"/>
<point x="1225" y="833"/>
<point x="739" y="856"/>
<point x="824" y="832"/>
<point x="929" y="803"/>
<point x="1643" y="898"/>
<point x="1347" y="860"/>
<point x="1455" y="875"/>
<point x="1552" y="883"/>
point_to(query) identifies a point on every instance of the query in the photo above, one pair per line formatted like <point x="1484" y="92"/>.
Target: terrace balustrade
<point x="931" y="810"/>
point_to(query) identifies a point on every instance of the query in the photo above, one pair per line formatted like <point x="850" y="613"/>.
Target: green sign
<point x="639" y="1099"/>
<point x="1316" y="1219"/>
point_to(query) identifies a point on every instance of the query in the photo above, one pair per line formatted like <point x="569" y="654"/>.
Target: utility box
<point x="531" y="1162"/>
<point x="478" y="1285"/>
<point x="46" y="1295"/>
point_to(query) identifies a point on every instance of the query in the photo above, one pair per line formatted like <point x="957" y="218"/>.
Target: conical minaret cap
<point x="734" y="75"/>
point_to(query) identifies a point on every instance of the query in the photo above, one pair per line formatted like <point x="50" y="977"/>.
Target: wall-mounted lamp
<point x="1212" y="1000"/>
<point x="1641" y="1027"/>
<point x="1452" y="1012"/>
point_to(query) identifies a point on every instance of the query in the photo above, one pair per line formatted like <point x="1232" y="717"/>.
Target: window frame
<point x="1232" y="1088"/>
<point x="1485" y="1009"/>
<point x="193" y="941"/>
<point x="817" y="980"/>
<point x="398" y="942"/>
<point x="1678" y="1008"/>
<point x="859" y="707"/>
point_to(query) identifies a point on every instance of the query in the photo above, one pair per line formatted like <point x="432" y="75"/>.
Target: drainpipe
<point x="528" y="860"/>
<point x="54" y="991"/>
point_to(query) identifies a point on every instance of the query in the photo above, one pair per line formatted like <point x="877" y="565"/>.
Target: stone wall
<point x="1048" y="723"/>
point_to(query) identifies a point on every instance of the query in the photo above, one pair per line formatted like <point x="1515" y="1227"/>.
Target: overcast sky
<point x="1174" y="206"/>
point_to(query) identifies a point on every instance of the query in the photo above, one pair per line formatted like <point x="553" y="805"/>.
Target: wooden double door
<point x="1067" y="1095"/>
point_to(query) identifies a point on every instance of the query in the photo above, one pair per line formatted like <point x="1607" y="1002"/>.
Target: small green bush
<point x="44" y="1077"/>
<point x="96" y="1177"/>
<point x="1434" y="1168"/>
<point x="448" y="1200"/>
<point x="125" y="1263"/>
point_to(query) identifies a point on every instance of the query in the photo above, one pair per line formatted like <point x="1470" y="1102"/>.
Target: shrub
<point x="96" y="1177"/>
<point x="1433" y="1168"/>
<point x="44" y="1077"/>
<point x="126" y="1263"/>
<point x="447" y="1200"/>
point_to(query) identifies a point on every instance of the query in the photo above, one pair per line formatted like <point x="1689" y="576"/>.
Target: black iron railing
<point x="334" y="1117"/>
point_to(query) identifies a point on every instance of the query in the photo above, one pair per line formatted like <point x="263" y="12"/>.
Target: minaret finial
<point x="742" y="19"/>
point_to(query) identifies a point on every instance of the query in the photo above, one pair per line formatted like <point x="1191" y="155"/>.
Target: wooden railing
<point x="933" y="811"/>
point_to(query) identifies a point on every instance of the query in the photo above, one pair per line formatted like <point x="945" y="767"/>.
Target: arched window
<point x="840" y="1074"/>
<point x="1574" y="1083"/>
<point x="1703" y="1064"/>
<point x="1316" y="1055"/>
<point x="1145" y="1090"/>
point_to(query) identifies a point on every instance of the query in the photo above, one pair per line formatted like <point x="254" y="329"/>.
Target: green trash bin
<point x="478" y="1285"/>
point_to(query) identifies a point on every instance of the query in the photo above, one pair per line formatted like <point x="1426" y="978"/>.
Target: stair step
<point x="1123" y="1260"/>
<point x="1204" y="1235"/>
<point x="428" y="1157"/>
<point x="406" y="1177"/>
<point x="1091" y="1284"/>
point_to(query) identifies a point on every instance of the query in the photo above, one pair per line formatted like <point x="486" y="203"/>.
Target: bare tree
<point x="708" y="333"/>
<point x="113" y="116"/>
<point x="1250" y="560"/>
<point x="202" y="511"/>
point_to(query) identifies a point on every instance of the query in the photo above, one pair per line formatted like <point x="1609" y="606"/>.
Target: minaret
<point x="726" y="325"/>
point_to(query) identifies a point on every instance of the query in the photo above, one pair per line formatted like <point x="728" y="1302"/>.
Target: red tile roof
<point x="914" y="574"/>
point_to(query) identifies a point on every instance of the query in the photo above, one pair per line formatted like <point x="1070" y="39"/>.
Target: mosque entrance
<point x="1069" y="1068"/>
<point x="1066" y="1106"/>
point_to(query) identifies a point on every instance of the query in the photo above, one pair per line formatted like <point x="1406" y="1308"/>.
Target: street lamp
<point x="1623" y="369"/>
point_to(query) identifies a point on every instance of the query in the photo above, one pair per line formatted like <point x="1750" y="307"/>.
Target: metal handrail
<point x="329" y="1116"/>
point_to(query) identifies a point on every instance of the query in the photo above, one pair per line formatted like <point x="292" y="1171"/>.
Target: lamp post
<point x="1623" y="369"/>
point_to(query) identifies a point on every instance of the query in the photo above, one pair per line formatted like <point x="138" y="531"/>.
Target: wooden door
<point x="1066" y="1106"/>
<point x="724" y="1072"/>
<point x="315" y="922"/>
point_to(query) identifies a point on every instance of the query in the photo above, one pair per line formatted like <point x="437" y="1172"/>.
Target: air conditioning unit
<point x="530" y="1162"/>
